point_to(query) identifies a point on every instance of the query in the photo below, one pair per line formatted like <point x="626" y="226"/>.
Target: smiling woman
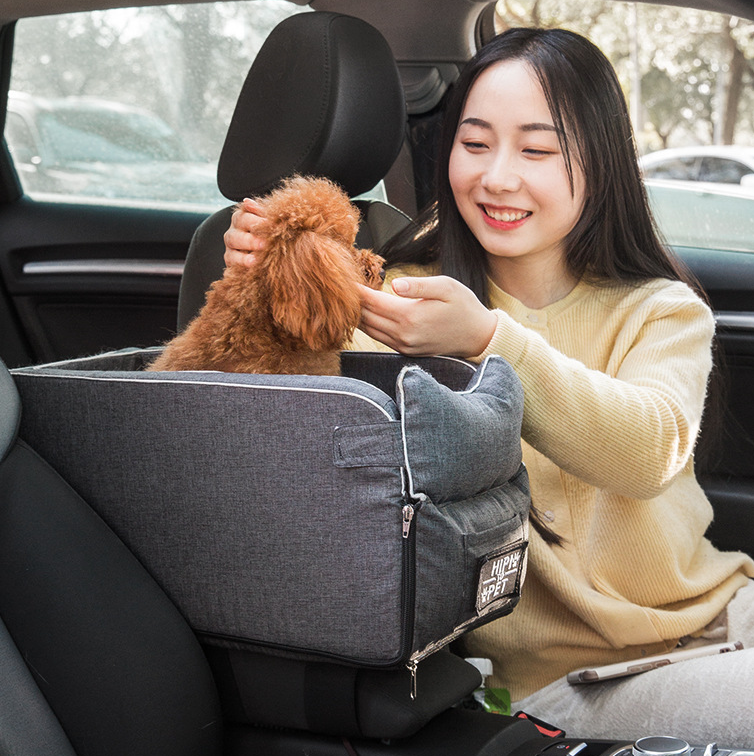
<point x="515" y="152"/>
<point x="613" y="348"/>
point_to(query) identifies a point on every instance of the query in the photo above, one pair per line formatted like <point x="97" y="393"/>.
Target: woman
<point x="541" y="248"/>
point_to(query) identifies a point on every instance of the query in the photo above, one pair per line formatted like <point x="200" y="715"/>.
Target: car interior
<point x="97" y="656"/>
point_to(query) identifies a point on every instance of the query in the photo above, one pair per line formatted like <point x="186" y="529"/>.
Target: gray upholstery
<point x="94" y="658"/>
<point x="456" y="443"/>
<point x="270" y="508"/>
<point x="10" y="412"/>
<point x="28" y="726"/>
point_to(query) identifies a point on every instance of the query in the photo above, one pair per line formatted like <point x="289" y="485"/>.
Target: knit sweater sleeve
<point x="628" y="426"/>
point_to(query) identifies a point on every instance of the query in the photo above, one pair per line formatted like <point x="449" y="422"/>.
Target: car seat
<point x="323" y="97"/>
<point x="94" y="658"/>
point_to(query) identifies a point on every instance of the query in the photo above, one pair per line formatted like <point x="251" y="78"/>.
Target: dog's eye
<point x="382" y="274"/>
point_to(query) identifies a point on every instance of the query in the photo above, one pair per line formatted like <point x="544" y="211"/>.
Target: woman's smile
<point x="505" y="217"/>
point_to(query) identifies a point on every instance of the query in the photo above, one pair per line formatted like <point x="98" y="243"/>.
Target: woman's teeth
<point x="507" y="215"/>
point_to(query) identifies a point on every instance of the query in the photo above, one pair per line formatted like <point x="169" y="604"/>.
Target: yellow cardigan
<point x="614" y="381"/>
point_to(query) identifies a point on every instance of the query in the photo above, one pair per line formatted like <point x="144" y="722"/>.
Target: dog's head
<point x="311" y="267"/>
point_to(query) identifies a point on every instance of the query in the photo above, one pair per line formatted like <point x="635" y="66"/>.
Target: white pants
<point x="705" y="700"/>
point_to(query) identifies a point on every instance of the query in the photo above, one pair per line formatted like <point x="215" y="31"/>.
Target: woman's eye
<point x="470" y="144"/>
<point x="537" y="152"/>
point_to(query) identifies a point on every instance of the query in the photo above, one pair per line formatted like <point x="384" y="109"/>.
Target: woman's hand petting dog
<point x="430" y="315"/>
<point x="244" y="237"/>
<point x="434" y="315"/>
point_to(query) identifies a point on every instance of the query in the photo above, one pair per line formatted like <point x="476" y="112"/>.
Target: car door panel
<point x="80" y="279"/>
<point x="728" y="279"/>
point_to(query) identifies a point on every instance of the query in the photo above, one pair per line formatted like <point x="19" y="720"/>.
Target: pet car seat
<point x="323" y="535"/>
<point x="323" y="97"/>
<point x="94" y="658"/>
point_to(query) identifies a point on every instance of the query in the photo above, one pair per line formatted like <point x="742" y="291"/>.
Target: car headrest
<point x="323" y="97"/>
<point x="10" y="415"/>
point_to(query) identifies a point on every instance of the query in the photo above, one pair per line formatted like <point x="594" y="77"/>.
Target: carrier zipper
<point x="409" y="589"/>
<point x="408" y="592"/>
<point x="408" y="518"/>
<point x="411" y="667"/>
<point x="409" y="578"/>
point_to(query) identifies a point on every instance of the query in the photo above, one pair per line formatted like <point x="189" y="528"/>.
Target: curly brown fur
<point x="298" y="304"/>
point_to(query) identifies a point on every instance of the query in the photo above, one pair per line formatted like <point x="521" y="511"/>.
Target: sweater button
<point x="532" y="317"/>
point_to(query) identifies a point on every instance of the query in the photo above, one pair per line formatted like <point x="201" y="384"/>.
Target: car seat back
<point x="324" y="98"/>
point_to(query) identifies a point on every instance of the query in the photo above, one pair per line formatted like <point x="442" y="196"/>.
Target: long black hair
<point x="615" y="238"/>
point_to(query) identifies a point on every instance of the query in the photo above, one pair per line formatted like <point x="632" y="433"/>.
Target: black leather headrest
<point x="10" y="411"/>
<point x="323" y="97"/>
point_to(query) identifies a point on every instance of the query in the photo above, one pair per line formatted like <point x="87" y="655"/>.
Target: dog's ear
<point x="315" y="296"/>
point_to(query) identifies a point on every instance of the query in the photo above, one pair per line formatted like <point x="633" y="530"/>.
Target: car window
<point x="134" y="107"/>
<point x="723" y="171"/>
<point x="679" y="169"/>
<point x="687" y="78"/>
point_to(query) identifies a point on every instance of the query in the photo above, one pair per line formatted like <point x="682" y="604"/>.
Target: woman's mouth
<point x="505" y="215"/>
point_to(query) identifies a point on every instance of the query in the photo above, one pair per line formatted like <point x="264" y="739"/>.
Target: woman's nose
<point x="502" y="175"/>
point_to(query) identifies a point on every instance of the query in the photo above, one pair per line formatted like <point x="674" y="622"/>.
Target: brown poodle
<point x="298" y="304"/>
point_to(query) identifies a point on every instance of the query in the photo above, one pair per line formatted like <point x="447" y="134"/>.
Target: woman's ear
<point x="315" y="297"/>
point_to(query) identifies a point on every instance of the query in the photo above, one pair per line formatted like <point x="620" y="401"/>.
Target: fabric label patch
<point x="500" y="577"/>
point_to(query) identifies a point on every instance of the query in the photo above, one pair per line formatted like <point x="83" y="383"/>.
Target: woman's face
<point x="507" y="171"/>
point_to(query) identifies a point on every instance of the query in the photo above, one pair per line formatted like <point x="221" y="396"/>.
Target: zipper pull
<point x="408" y="516"/>
<point x="411" y="667"/>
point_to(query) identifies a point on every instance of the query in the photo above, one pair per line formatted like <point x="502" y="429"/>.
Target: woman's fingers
<point x="430" y="287"/>
<point x="432" y="315"/>
<point x="244" y="236"/>
<point x="235" y="257"/>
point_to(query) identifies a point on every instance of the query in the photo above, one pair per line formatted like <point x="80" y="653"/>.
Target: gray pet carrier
<point x="367" y="519"/>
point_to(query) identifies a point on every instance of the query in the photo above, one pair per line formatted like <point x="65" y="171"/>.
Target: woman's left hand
<point x="432" y="315"/>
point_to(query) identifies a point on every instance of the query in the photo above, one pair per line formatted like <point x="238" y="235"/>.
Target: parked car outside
<point x="703" y="215"/>
<point x="88" y="147"/>
<point x="712" y="164"/>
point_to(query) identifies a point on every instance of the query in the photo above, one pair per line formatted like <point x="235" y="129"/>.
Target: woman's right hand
<point x="243" y="237"/>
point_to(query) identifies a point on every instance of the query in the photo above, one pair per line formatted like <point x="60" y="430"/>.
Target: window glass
<point x="133" y="107"/>
<point x="679" y="169"/>
<point x="687" y="77"/>
<point x="723" y="171"/>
